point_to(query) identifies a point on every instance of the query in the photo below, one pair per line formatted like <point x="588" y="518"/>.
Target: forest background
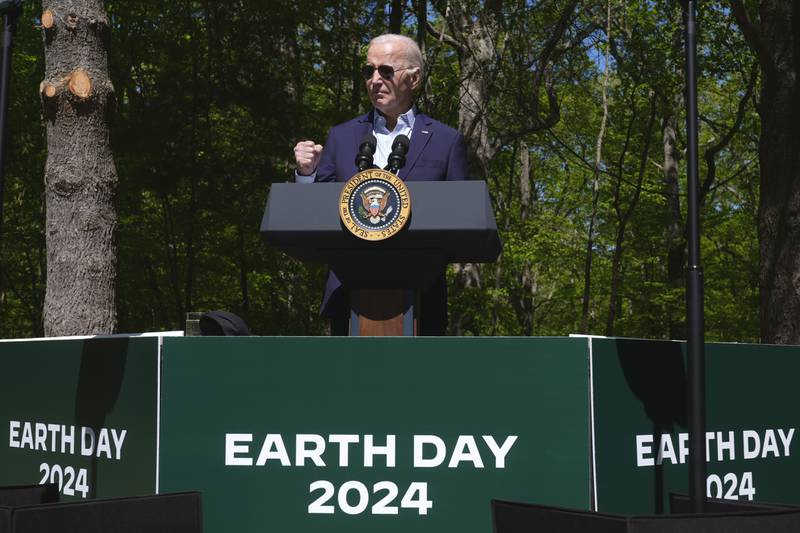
<point x="573" y="112"/>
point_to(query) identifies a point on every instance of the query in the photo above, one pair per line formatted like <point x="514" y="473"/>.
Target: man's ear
<point x="416" y="78"/>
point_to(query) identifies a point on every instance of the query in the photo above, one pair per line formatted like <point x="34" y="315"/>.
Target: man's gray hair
<point x="413" y="53"/>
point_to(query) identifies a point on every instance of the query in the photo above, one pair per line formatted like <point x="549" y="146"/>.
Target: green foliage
<point x="22" y="244"/>
<point x="211" y="98"/>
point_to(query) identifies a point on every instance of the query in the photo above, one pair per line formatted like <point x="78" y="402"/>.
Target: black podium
<point x="451" y="222"/>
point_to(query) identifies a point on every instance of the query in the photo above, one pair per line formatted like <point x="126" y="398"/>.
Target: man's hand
<point x="306" y="155"/>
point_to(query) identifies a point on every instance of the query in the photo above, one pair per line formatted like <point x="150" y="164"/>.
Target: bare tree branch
<point x="712" y="151"/>
<point x="441" y="36"/>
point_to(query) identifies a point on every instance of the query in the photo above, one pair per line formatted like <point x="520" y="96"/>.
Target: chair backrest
<point x="515" y="517"/>
<point x="773" y="521"/>
<point x="28" y="494"/>
<point x="5" y="519"/>
<point x="222" y="324"/>
<point x="680" y="504"/>
<point x="511" y="517"/>
<point x="163" y="513"/>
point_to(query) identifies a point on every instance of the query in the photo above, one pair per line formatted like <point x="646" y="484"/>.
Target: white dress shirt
<point x="384" y="138"/>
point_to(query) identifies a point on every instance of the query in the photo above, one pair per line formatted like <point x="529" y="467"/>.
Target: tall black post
<point x="10" y="10"/>
<point x="694" y="285"/>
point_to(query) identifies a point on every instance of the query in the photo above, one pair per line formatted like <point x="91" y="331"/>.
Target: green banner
<point x="80" y="413"/>
<point x="640" y="406"/>
<point x="392" y="434"/>
<point x="373" y="434"/>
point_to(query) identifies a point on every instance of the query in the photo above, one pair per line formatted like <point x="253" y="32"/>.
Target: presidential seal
<point x="374" y="205"/>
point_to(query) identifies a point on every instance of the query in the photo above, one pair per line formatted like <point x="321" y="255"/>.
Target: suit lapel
<point x="367" y="119"/>
<point x="365" y="123"/>
<point x="421" y="134"/>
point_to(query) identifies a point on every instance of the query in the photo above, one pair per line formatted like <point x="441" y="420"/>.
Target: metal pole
<point x="694" y="285"/>
<point x="10" y="10"/>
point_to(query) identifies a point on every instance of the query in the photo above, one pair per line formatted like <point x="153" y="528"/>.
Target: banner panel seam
<point x="159" y="358"/>
<point x="593" y="474"/>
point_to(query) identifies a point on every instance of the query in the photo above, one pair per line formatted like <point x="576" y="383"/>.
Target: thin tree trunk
<point x="622" y="220"/>
<point x="243" y="285"/>
<point x="616" y="258"/>
<point x="476" y="36"/>
<point x="525" y="180"/>
<point x="587" y="264"/>
<point x="587" y="267"/>
<point x="421" y="12"/>
<point x="194" y="147"/>
<point x="396" y="16"/>
<point x="676" y="243"/>
<point x="171" y="251"/>
<point x="80" y="176"/>
<point x="158" y="300"/>
<point x="526" y="278"/>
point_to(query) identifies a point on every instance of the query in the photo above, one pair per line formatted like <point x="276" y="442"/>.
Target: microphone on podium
<point x="397" y="159"/>
<point x="365" y="151"/>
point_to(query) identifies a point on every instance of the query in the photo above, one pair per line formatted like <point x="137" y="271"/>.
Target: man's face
<point x="391" y="96"/>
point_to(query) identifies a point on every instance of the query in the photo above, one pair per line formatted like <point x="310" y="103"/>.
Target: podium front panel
<point x="452" y="219"/>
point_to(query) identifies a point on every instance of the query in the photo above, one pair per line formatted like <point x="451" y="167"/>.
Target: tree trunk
<point x="776" y="45"/>
<point x="194" y="146"/>
<point x="80" y="177"/>
<point x="475" y="31"/>
<point x="587" y="268"/>
<point x="396" y="16"/>
<point x="624" y="215"/>
<point x="421" y="12"/>
<point x="587" y="262"/>
<point x="676" y="243"/>
<point x="473" y="120"/>
<point x="243" y="285"/>
<point x="475" y="58"/>
<point x="526" y="278"/>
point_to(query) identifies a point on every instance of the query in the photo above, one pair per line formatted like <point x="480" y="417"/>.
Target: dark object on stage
<point x="28" y="494"/>
<point x="680" y="504"/>
<point x="223" y="324"/>
<point x="451" y="222"/>
<point x="511" y="517"/>
<point x="164" y="513"/>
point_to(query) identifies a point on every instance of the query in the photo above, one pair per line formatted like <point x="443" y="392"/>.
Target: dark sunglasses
<point x="386" y="71"/>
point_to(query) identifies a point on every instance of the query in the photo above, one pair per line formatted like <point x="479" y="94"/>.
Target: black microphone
<point x="365" y="151"/>
<point x="397" y="159"/>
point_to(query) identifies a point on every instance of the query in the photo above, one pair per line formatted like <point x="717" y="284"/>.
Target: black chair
<point x="222" y="324"/>
<point x="163" y="513"/>
<point x="680" y="504"/>
<point x="28" y="495"/>
<point x="512" y="517"/>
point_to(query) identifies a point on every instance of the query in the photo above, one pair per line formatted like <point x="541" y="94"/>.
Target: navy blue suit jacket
<point x="437" y="152"/>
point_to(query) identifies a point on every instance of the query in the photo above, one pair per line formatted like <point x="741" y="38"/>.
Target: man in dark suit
<point x="392" y="73"/>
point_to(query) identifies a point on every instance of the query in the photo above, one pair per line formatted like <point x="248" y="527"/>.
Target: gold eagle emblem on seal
<point x="374" y="205"/>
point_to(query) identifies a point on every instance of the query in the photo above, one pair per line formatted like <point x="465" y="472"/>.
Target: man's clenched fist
<point x="306" y="155"/>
